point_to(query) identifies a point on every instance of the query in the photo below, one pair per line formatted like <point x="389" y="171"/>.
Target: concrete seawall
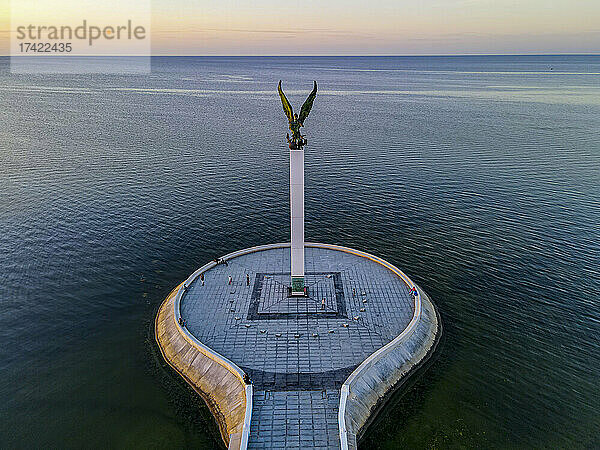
<point x="211" y="375"/>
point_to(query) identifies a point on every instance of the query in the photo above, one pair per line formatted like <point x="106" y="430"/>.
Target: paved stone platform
<point x="297" y="352"/>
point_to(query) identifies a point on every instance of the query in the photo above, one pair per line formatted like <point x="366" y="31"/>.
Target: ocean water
<point x="478" y="176"/>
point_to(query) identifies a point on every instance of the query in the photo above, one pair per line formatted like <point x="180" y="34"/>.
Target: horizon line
<point x="316" y="55"/>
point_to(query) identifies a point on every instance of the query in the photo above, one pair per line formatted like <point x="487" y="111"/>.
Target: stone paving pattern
<point x="297" y="352"/>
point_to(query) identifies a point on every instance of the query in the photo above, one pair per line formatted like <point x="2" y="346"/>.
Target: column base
<point x="298" y="289"/>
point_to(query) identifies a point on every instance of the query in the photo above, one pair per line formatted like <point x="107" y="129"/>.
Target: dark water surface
<point x="478" y="176"/>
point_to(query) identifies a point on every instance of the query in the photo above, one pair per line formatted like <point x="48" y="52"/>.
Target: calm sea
<point x="478" y="176"/>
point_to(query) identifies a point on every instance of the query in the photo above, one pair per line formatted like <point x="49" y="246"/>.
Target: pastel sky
<point x="268" y="27"/>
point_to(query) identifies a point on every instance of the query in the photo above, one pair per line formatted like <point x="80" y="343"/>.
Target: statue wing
<point x="287" y="108"/>
<point x="306" y="107"/>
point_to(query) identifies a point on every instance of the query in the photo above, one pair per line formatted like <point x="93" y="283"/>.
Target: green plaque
<point x="297" y="285"/>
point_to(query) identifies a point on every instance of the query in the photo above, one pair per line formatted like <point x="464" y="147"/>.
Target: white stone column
<point x="297" y="219"/>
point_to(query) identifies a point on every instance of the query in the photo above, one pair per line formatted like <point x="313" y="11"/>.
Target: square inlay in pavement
<point x="270" y="299"/>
